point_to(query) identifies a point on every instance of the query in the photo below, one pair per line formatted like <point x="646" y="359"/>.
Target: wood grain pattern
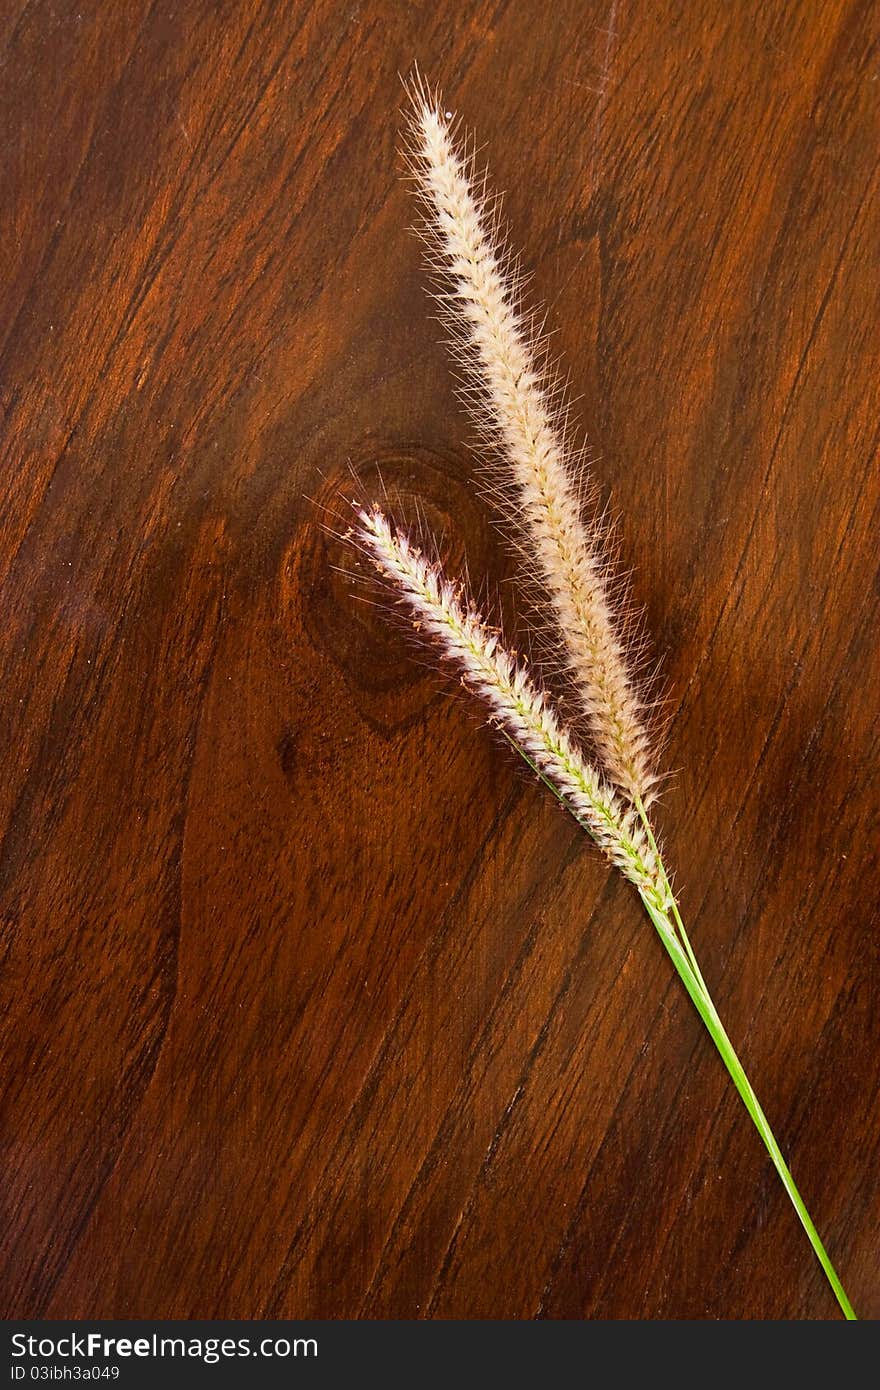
<point x="312" y="1004"/>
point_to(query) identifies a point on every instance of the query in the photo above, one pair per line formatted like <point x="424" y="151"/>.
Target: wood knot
<point x="345" y="609"/>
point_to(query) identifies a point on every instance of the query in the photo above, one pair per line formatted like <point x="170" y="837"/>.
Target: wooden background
<point x="312" y="1004"/>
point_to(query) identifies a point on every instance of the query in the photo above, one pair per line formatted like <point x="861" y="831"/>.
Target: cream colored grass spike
<point x="514" y="700"/>
<point x="511" y="396"/>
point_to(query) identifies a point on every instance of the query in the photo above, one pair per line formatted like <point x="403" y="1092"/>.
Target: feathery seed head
<point x="515" y="702"/>
<point x="512" y="396"/>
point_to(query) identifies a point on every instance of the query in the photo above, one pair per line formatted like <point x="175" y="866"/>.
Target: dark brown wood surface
<point x="313" y="1005"/>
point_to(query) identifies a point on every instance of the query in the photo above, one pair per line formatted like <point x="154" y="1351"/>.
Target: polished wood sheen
<point x="313" y="1005"/>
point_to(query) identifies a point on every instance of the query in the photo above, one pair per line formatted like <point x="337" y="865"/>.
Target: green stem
<point x="693" y="982"/>
<point x="675" y="939"/>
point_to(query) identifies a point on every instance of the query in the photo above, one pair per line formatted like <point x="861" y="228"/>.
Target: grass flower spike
<point x="516" y="704"/>
<point x="515" y="403"/>
<point x="512" y="396"/>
